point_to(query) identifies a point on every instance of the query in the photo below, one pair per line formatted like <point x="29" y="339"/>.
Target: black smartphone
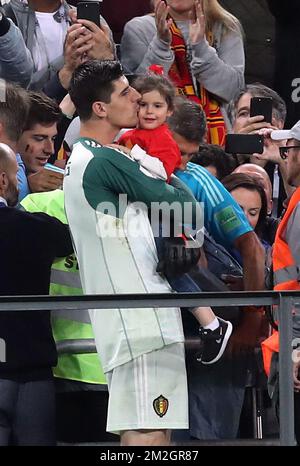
<point x="90" y="11"/>
<point x="262" y="106"/>
<point x="244" y="144"/>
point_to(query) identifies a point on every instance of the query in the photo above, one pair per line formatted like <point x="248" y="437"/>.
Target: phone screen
<point x="244" y="144"/>
<point x="262" y="106"/>
<point x="89" y="11"/>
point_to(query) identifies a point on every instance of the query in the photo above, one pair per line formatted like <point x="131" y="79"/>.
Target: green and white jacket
<point x="116" y="250"/>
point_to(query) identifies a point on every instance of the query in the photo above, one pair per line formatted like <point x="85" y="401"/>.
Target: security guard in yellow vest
<point x="65" y="280"/>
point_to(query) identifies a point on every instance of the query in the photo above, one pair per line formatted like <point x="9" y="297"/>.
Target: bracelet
<point x="70" y="117"/>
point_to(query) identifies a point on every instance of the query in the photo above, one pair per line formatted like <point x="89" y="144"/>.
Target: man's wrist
<point x="64" y="76"/>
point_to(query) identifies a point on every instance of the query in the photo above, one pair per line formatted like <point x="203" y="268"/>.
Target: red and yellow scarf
<point x="181" y="76"/>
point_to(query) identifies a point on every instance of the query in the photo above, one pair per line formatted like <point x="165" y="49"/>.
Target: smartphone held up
<point x="90" y="11"/>
<point x="262" y="106"/>
<point x="244" y="144"/>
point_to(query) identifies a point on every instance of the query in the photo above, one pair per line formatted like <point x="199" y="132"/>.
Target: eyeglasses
<point x="285" y="150"/>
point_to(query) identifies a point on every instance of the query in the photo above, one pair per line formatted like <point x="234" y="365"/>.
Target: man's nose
<point x="136" y="95"/>
<point x="49" y="146"/>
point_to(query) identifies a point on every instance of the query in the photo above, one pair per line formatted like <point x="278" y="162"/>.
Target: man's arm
<point x="253" y="257"/>
<point x="59" y="234"/>
<point x="247" y="335"/>
<point x="15" y="60"/>
<point x="141" y="47"/>
<point x="113" y="172"/>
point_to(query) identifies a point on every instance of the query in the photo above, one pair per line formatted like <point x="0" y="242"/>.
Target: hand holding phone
<point x="90" y="11"/>
<point x="45" y="180"/>
<point x="88" y="14"/>
<point x="262" y="106"/>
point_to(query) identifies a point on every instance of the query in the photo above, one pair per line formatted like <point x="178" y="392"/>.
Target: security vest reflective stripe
<point x="65" y="280"/>
<point x="286" y="274"/>
<point x="61" y="278"/>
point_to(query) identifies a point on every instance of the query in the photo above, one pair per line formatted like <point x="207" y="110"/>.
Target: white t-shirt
<point x="49" y="40"/>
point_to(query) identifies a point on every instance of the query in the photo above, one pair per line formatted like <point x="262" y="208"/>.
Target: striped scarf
<point x="181" y="76"/>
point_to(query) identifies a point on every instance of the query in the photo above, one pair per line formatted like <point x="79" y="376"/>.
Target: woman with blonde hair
<point x="200" y="46"/>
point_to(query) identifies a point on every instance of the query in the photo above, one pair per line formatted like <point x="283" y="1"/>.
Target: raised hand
<point x="161" y="11"/>
<point x="101" y="45"/>
<point x="77" y="44"/>
<point x="197" y="24"/>
<point x="271" y="148"/>
<point x="252" y="125"/>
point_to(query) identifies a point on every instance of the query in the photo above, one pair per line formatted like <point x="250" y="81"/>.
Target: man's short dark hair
<point x="91" y="82"/>
<point x="14" y="106"/>
<point x="188" y="120"/>
<point x="213" y="155"/>
<point x="42" y="110"/>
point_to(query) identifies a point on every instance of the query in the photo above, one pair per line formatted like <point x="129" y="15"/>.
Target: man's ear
<point x="270" y="202"/>
<point x="3" y="181"/>
<point x="1" y="130"/>
<point x="99" y="109"/>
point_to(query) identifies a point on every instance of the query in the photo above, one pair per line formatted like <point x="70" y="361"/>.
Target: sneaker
<point x="214" y="342"/>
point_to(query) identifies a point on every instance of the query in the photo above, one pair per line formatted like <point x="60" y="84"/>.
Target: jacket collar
<point x="22" y="6"/>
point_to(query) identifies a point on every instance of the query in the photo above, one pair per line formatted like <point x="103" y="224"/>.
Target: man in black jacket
<point x="28" y="245"/>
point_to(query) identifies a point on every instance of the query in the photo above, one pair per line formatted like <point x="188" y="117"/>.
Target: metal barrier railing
<point x="284" y="300"/>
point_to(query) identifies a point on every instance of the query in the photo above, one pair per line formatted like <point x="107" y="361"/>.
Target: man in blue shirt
<point x="223" y="218"/>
